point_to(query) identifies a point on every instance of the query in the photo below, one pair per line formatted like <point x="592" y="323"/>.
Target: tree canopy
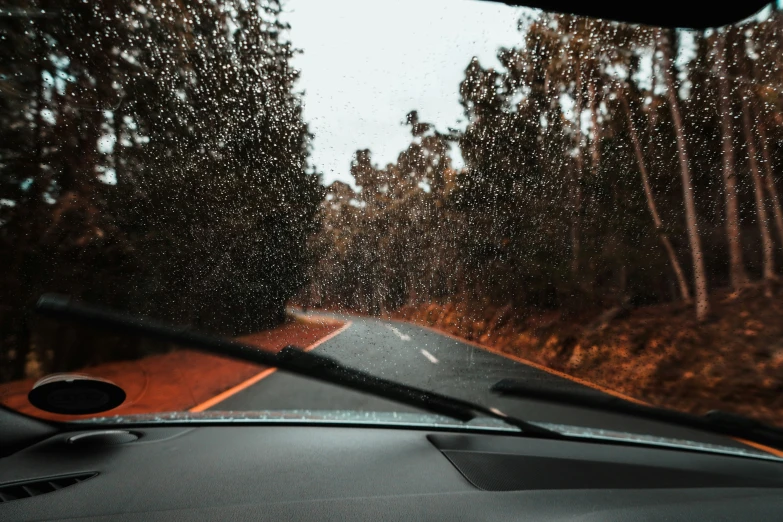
<point x="153" y="158"/>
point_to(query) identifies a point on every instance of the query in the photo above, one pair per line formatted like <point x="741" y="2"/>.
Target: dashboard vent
<point x="33" y="488"/>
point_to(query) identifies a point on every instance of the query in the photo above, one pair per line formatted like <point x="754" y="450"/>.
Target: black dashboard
<point x="284" y="472"/>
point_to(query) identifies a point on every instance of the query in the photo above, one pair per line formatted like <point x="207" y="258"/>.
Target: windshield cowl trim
<point x="346" y="418"/>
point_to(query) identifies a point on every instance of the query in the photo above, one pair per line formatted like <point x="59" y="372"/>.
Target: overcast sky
<point x="367" y="63"/>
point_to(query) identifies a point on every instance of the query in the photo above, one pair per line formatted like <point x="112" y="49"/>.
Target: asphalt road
<point x="421" y="357"/>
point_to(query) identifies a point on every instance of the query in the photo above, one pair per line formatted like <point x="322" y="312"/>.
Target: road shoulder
<point x="182" y="379"/>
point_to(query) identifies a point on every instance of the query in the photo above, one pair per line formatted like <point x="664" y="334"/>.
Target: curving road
<point x="424" y="358"/>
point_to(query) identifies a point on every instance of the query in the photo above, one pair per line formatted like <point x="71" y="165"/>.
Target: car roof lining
<point x="699" y="14"/>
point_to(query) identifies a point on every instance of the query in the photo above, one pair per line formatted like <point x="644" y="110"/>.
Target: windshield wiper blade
<point x="290" y="359"/>
<point x="715" y="421"/>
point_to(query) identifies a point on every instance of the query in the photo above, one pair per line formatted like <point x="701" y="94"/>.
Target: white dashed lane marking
<point x="429" y="356"/>
<point x="398" y="333"/>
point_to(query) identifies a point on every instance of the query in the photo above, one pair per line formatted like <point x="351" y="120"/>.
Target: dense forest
<point x="605" y="166"/>
<point x="153" y="158"/>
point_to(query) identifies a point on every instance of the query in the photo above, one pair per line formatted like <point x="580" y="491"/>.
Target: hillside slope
<point x="659" y="354"/>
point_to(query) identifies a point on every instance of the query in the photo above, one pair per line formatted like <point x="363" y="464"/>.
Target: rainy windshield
<point x="441" y="193"/>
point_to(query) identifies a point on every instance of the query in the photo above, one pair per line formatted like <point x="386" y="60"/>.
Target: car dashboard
<point x="299" y="472"/>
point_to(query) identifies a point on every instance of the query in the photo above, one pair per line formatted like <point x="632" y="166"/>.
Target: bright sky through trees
<point x="360" y="79"/>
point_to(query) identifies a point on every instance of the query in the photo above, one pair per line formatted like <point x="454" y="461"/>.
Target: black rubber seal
<point x="76" y="396"/>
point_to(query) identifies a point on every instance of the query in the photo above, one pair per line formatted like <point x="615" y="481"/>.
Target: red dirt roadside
<point x="178" y="380"/>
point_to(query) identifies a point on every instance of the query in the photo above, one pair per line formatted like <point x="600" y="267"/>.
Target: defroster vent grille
<point x="41" y="486"/>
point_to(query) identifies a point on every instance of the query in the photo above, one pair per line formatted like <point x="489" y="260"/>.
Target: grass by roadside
<point x="659" y="354"/>
<point x="180" y="379"/>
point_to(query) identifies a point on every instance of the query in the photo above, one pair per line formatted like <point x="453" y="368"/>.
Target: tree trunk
<point x="595" y="150"/>
<point x="699" y="271"/>
<point x="737" y="275"/>
<point x="769" y="181"/>
<point x="767" y="248"/>
<point x="576" y="203"/>
<point x="39" y="133"/>
<point x="667" y="245"/>
<point x="116" y="153"/>
<point x="576" y="197"/>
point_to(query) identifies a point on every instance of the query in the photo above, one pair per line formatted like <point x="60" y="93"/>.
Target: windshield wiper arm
<point x="716" y="421"/>
<point x="329" y="370"/>
<point x="290" y="359"/>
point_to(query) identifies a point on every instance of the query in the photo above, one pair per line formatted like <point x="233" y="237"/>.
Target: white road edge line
<point x="429" y="356"/>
